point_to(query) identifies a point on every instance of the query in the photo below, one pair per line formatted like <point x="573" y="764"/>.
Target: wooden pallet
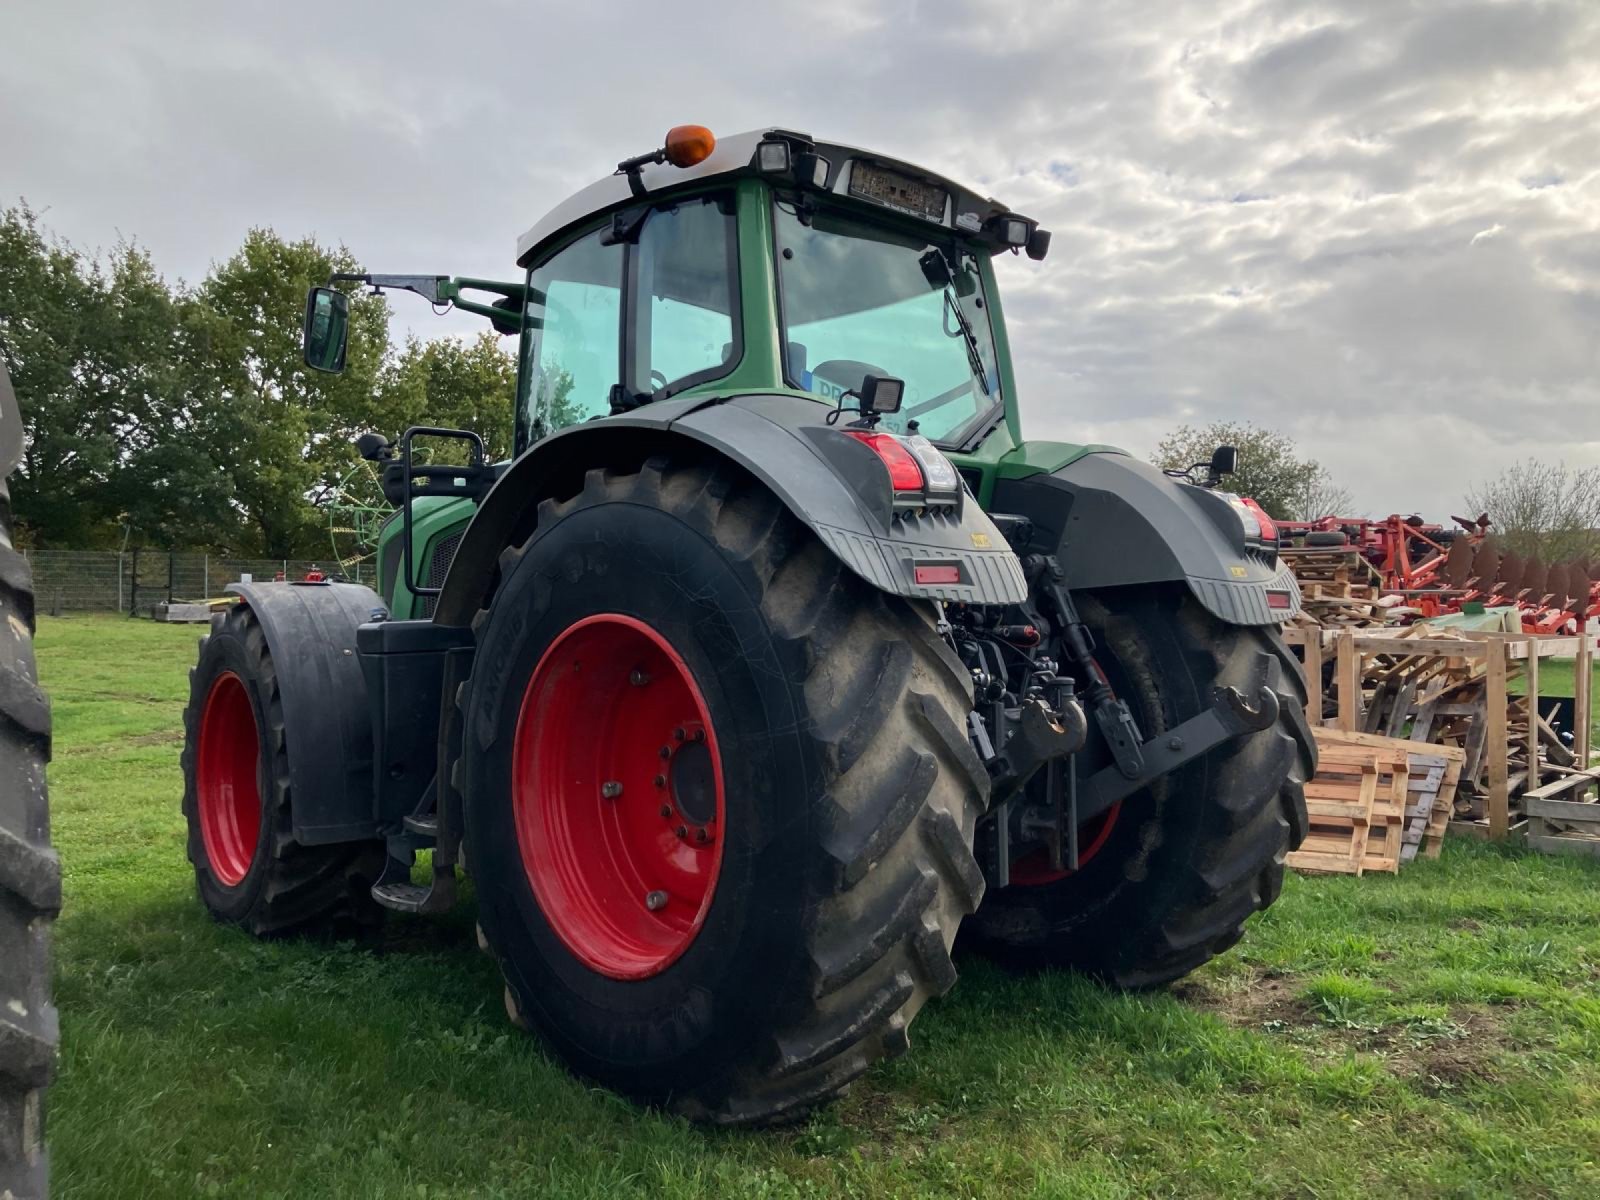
<point x="1357" y="804"/>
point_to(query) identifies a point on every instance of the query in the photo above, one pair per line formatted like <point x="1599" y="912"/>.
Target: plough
<point x="1439" y="570"/>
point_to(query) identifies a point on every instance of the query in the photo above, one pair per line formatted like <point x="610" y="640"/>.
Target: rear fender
<point x="832" y="483"/>
<point x="327" y="721"/>
<point x="1114" y="521"/>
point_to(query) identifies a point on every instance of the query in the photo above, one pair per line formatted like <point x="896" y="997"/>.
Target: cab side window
<point x="572" y="335"/>
<point x="685" y="321"/>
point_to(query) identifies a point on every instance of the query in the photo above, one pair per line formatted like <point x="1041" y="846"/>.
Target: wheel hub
<point x="617" y="796"/>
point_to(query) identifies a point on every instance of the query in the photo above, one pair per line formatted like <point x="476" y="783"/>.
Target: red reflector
<point x="938" y="574"/>
<point x="1277" y="599"/>
<point x="904" y="473"/>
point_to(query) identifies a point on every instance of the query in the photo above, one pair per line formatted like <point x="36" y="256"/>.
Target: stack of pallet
<point x="1338" y="587"/>
<point x="1375" y="803"/>
<point x="1432" y="695"/>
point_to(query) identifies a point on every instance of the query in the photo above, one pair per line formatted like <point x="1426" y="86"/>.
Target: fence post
<point x="205" y="571"/>
<point x="133" y="585"/>
<point x="119" y="580"/>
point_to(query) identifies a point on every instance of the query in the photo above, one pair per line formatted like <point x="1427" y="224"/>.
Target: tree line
<point x="181" y="416"/>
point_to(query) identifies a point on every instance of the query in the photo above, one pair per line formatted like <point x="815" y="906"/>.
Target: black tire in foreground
<point x="1184" y="863"/>
<point x="249" y="869"/>
<point x="30" y="875"/>
<point x="719" y="798"/>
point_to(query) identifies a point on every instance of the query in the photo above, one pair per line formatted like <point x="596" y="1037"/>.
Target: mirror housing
<point x="327" y="329"/>
<point x="1224" y="461"/>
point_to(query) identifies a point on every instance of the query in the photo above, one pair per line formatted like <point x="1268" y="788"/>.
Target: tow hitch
<point x="1048" y="727"/>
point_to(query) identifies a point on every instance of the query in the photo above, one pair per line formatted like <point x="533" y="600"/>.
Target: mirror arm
<point x="443" y="289"/>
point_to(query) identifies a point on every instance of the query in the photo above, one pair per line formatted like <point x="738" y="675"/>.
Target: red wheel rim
<point x="617" y="796"/>
<point x="1033" y="869"/>
<point x="225" y="778"/>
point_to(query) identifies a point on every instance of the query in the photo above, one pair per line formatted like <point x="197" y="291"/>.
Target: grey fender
<point x="327" y="722"/>
<point x="831" y="482"/>
<point x="1113" y="521"/>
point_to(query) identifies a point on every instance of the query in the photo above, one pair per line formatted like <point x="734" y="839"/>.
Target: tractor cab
<point x="767" y="261"/>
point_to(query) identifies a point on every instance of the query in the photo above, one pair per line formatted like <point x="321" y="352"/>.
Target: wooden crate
<point x="1563" y="826"/>
<point x="1356" y="803"/>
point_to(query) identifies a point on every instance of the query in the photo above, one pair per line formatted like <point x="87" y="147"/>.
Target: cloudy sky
<point x="1374" y="224"/>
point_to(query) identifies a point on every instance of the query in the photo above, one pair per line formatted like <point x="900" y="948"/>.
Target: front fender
<point x="1113" y="521"/>
<point x="832" y="483"/>
<point x="311" y="632"/>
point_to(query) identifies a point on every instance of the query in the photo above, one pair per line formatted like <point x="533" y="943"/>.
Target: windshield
<point x="858" y="300"/>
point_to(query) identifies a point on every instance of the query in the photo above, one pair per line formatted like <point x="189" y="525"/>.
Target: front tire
<point x="838" y="830"/>
<point x="249" y="870"/>
<point x="1177" y="868"/>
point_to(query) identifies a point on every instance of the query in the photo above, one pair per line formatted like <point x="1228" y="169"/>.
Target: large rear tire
<point x="739" y="952"/>
<point x="30" y="875"/>
<point x="1178" y="868"/>
<point x="249" y="870"/>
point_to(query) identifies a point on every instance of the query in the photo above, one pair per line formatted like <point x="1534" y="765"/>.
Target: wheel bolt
<point x="611" y="789"/>
<point x="639" y="677"/>
<point x="655" y="901"/>
<point x="683" y="831"/>
<point x="666" y="752"/>
<point x="700" y="835"/>
<point x="678" y="734"/>
<point x="666" y="810"/>
<point x="661" y="781"/>
<point x="699" y="735"/>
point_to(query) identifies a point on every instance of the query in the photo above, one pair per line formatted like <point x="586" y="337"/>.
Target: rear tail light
<point x="905" y="475"/>
<point x="1268" y="530"/>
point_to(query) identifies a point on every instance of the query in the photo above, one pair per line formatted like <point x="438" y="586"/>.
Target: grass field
<point x="1436" y="1034"/>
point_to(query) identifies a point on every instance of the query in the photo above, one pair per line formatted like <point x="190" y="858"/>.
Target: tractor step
<point x="402" y="897"/>
<point x="395" y="890"/>
<point x="426" y="825"/>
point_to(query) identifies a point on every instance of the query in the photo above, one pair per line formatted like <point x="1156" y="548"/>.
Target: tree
<point x="1319" y="496"/>
<point x="278" y="431"/>
<point x="1542" y="508"/>
<point x="1270" y="469"/>
<point x="94" y="346"/>
<point x="460" y="385"/>
<point x="54" y="335"/>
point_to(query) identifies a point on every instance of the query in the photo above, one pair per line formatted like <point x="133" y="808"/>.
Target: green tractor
<point x="773" y="657"/>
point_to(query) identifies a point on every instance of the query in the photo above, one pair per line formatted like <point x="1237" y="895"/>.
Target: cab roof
<point x="845" y="172"/>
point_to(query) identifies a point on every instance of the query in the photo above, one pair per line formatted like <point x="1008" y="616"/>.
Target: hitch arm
<point x="1231" y="715"/>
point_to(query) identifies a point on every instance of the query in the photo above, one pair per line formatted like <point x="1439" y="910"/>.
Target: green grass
<point x="1435" y="1034"/>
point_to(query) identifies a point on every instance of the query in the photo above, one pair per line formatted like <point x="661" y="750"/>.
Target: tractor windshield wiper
<point x="963" y="330"/>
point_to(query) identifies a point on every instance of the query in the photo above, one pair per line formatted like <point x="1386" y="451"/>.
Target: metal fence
<point x="135" y="581"/>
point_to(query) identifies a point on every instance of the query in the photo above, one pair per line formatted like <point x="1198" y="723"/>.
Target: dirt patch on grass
<point x="1259" y="1001"/>
<point x="1436" y="1061"/>
<point x="159" y="737"/>
<point x="1436" y="1055"/>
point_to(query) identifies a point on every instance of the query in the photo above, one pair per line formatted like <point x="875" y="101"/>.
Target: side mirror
<point x="327" y="329"/>
<point x="1224" y="461"/>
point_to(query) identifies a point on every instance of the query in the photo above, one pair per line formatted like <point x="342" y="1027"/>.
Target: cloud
<point x="1372" y="225"/>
